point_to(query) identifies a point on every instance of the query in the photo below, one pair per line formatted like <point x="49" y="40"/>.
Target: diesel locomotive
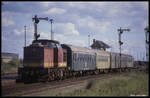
<point x="48" y="60"/>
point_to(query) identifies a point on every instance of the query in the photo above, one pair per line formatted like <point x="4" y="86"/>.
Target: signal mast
<point x="36" y="21"/>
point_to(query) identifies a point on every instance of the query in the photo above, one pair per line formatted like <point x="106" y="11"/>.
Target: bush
<point x="11" y="66"/>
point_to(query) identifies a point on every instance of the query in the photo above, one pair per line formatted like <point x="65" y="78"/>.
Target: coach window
<point x="90" y="59"/>
<point x="84" y="58"/>
<point x="79" y="57"/>
<point x="74" y="57"/>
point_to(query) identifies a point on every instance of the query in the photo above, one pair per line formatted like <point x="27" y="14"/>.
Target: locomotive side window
<point x="65" y="57"/>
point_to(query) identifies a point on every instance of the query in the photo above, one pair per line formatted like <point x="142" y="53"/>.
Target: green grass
<point x="11" y="66"/>
<point x="134" y="83"/>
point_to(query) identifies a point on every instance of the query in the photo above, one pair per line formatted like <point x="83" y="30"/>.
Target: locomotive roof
<point x="45" y="40"/>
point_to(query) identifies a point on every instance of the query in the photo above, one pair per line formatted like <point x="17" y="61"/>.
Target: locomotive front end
<point x="41" y="58"/>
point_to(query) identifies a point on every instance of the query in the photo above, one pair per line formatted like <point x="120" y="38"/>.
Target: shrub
<point x="11" y="66"/>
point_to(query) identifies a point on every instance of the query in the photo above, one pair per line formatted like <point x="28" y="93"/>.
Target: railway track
<point x="23" y="89"/>
<point x="5" y="74"/>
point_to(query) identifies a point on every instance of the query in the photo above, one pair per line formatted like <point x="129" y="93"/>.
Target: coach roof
<point x="78" y="49"/>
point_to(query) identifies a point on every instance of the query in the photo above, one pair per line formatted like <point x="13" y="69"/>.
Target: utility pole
<point x="89" y="40"/>
<point x="120" y="42"/>
<point x="147" y="42"/>
<point x="25" y="35"/>
<point x="52" y="36"/>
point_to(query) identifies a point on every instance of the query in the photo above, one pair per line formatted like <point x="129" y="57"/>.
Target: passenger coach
<point x="80" y="59"/>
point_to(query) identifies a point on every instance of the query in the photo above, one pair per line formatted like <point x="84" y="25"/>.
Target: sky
<point x="74" y="21"/>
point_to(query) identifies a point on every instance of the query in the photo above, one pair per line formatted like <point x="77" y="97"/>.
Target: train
<point x="48" y="60"/>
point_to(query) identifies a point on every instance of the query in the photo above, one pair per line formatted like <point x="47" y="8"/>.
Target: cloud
<point x="60" y="37"/>
<point x="78" y="42"/>
<point x="114" y="11"/>
<point x="17" y="32"/>
<point x="145" y="23"/>
<point x="4" y="38"/>
<point x="66" y="28"/>
<point x="46" y="4"/>
<point x="93" y="24"/>
<point x="7" y="19"/>
<point x="74" y="41"/>
<point x="77" y="5"/>
<point x="7" y="22"/>
<point x="55" y="11"/>
<point x="44" y="35"/>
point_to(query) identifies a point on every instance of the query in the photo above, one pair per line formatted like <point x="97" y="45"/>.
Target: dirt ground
<point x="58" y="91"/>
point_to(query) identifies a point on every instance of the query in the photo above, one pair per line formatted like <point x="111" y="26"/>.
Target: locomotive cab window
<point x="65" y="57"/>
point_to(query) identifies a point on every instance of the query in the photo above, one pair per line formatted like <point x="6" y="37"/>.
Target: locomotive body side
<point x="61" y="56"/>
<point x="48" y="57"/>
